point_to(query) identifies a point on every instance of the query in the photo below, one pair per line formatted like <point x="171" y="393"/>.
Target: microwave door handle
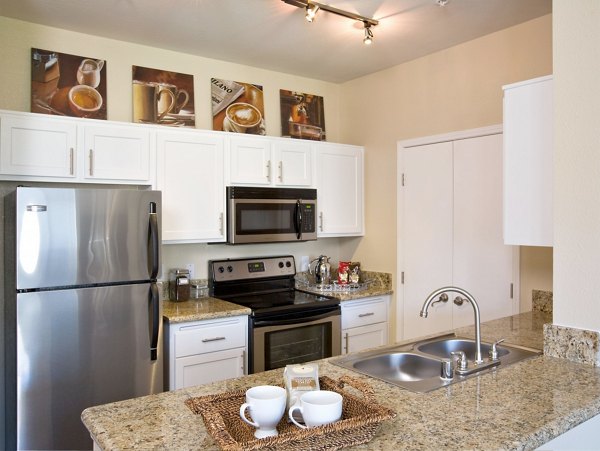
<point x="299" y="219"/>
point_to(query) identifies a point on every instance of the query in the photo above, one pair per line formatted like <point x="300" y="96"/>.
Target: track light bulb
<point x="368" y="40"/>
<point x="311" y="12"/>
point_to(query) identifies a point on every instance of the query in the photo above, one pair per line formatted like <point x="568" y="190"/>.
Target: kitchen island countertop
<point x="518" y="407"/>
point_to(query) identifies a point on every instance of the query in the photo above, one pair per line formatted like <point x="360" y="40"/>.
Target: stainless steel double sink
<point x="417" y="366"/>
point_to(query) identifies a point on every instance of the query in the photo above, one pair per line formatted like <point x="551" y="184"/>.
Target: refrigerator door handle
<point x="153" y="245"/>
<point x="154" y="321"/>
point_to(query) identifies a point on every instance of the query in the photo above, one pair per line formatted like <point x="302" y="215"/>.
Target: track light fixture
<point x="311" y="12"/>
<point x="368" y="39"/>
<point x="312" y="8"/>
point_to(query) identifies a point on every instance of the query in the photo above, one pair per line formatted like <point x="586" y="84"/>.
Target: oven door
<point x="285" y="339"/>
<point x="269" y="220"/>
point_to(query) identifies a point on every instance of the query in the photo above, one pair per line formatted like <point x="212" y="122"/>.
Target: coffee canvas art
<point x="237" y="107"/>
<point x="68" y="85"/>
<point x="302" y="115"/>
<point x="163" y="97"/>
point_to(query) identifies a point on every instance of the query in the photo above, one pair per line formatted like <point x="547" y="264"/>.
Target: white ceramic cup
<point x="318" y="408"/>
<point x="267" y="406"/>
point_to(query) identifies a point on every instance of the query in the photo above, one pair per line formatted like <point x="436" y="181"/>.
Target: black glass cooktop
<point x="282" y="302"/>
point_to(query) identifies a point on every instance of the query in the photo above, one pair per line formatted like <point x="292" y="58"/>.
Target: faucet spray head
<point x="423" y="314"/>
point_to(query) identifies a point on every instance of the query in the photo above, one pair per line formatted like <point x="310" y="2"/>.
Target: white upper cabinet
<point x="340" y="190"/>
<point x="38" y="147"/>
<point x="528" y="155"/>
<point x="267" y="161"/>
<point x="190" y="176"/>
<point x="250" y="160"/>
<point x="293" y="162"/>
<point x="117" y="153"/>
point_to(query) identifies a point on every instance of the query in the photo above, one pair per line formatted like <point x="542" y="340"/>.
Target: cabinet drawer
<point x="361" y="313"/>
<point x="210" y="336"/>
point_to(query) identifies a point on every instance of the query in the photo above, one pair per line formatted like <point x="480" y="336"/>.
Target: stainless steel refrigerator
<point x="83" y="317"/>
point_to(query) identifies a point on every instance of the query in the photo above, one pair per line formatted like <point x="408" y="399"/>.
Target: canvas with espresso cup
<point x="242" y="117"/>
<point x="266" y="405"/>
<point x="147" y="96"/>
<point x="181" y="97"/>
<point x="317" y="408"/>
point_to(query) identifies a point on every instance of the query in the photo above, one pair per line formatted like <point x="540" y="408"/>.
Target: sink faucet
<point x="471" y="299"/>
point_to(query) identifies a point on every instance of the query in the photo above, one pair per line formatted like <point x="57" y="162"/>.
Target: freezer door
<point x="73" y="237"/>
<point x="79" y="348"/>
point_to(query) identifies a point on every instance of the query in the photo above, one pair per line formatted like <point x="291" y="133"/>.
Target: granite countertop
<point x="379" y="284"/>
<point x="517" y="407"/>
<point x="201" y="309"/>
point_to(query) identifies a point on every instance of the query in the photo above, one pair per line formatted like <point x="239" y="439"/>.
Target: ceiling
<point x="273" y="35"/>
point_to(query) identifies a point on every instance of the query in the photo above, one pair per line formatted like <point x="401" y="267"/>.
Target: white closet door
<point x="427" y="235"/>
<point x="482" y="263"/>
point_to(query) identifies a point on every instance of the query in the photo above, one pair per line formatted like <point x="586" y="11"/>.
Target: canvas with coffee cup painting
<point x="237" y="107"/>
<point x="163" y="97"/>
<point x="68" y="85"/>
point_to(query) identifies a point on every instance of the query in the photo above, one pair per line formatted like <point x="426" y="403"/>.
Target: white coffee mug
<point x="267" y="406"/>
<point x="318" y="408"/>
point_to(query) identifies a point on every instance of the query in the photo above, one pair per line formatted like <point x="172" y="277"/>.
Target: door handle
<point x="154" y="321"/>
<point x="153" y="244"/>
<point x="91" y="162"/>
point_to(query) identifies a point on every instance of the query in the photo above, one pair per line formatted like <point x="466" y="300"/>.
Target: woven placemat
<point x="361" y="417"/>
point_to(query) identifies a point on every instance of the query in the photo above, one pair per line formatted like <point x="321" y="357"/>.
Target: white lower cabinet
<point x="201" y="352"/>
<point x="364" y="323"/>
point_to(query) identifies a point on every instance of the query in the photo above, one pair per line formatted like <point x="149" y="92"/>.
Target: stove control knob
<point x="288" y="264"/>
<point x="221" y="269"/>
<point x="281" y="264"/>
<point x="230" y="268"/>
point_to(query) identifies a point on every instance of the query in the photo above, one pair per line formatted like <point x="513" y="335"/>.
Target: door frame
<point x="415" y="142"/>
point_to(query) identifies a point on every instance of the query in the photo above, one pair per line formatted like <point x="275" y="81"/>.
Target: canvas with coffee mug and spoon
<point x="68" y="85"/>
<point x="163" y="97"/>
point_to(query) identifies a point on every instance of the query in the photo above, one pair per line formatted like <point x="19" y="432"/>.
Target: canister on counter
<point x="179" y="284"/>
<point x="343" y="272"/>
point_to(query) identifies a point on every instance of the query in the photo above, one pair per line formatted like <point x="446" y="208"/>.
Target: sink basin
<point x="443" y="348"/>
<point x="400" y="366"/>
<point x="417" y="366"/>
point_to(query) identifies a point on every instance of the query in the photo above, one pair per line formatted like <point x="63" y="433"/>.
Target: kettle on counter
<point x="321" y="270"/>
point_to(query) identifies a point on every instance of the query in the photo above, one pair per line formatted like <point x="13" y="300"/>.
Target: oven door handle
<point x="285" y="322"/>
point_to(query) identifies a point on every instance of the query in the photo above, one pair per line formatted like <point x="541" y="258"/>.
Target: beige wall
<point x="455" y="89"/>
<point x="17" y="38"/>
<point x="577" y="164"/>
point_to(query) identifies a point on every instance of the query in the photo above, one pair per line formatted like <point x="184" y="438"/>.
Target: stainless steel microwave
<point x="266" y="215"/>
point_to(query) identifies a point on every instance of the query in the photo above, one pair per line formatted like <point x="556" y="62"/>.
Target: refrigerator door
<point x="74" y="237"/>
<point x="79" y="348"/>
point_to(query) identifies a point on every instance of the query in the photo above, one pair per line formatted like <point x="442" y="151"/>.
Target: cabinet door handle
<point x="362" y="315"/>
<point x="269" y="170"/>
<point x="321" y="221"/>
<point x="346" y="339"/>
<point x="71" y="156"/>
<point x="207" y="340"/>
<point x="221" y="223"/>
<point x="281" y="171"/>
<point x="91" y="162"/>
